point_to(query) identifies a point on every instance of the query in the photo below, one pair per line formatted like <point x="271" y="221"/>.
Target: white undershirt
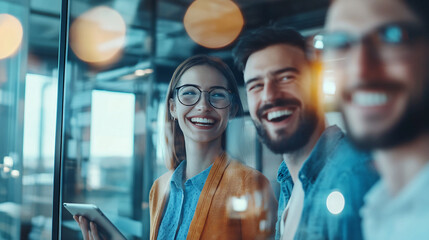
<point x="403" y="216"/>
<point x="292" y="214"/>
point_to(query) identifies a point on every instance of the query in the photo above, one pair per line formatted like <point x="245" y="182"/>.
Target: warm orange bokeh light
<point x="98" y="36"/>
<point x="213" y="23"/>
<point x="10" y="35"/>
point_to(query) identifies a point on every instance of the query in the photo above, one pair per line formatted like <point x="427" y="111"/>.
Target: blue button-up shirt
<point x="182" y="203"/>
<point x="334" y="166"/>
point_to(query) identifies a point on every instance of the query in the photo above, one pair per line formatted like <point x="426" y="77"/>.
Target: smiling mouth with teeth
<point x="202" y="121"/>
<point x="277" y="116"/>
<point x="369" y="99"/>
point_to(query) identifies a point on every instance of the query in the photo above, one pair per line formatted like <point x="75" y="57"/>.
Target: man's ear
<point x="172" y="108"/>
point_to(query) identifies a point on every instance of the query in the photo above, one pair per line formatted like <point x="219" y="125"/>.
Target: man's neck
<point x="294" y="160"/>
<point x="398" y="166"/>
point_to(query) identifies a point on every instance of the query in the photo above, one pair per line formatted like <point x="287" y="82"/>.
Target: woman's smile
<point x="203" y="122"/>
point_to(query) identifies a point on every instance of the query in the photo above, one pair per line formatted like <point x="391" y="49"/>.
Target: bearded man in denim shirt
<point x="381" y="52"/>
<point x="322" y="178"/>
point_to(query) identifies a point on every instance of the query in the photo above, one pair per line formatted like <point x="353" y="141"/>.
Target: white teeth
<point x="369" y="99"/>
<point x="277" y="114"/>
<point x="202" y="120"/>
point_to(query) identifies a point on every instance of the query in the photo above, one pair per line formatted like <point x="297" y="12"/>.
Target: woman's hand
<point x="88" y="234"/>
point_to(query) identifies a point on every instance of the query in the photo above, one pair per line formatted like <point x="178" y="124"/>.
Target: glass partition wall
<point x="109" y="113"/>
<point x="29" y="36"/>
<point x="82" y="98"/>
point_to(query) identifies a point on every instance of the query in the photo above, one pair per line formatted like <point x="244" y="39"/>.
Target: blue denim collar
<point x="317" y="159"/>
<point x="320" y="154"/>
<point x="197" y="181"/>
<point x="283" y="173"/>
<point x="178" y="175"/>
<point x="200" y="179"/>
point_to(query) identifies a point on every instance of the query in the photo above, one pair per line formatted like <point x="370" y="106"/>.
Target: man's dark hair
<point x="263" y="37"/>
<point x="421" y="9"/>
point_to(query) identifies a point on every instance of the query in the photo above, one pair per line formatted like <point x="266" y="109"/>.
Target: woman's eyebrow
<point x="199" y="87"/>
<point x="218" y="87"/>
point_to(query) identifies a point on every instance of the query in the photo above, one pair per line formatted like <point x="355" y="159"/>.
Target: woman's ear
<point x="172" y="108"/>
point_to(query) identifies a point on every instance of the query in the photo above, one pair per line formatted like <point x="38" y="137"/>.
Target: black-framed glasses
<point x="218" y="97"/>
<point x="390" y="40"/>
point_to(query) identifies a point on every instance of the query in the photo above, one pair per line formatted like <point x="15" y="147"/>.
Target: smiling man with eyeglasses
<point x="379" y="51"/>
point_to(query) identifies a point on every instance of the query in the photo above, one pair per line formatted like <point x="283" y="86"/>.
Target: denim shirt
<point x="334" y="166"/>
<point x="182" y="203"/>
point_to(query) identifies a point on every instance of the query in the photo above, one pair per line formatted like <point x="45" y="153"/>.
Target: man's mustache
<point x="278" y="103"/>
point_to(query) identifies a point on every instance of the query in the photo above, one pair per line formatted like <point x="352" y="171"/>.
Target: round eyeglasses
<point x="218" y="97"/>
<point x="391" y="41"/>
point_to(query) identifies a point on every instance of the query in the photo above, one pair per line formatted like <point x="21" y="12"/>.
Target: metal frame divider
<point x="59" y="137"/>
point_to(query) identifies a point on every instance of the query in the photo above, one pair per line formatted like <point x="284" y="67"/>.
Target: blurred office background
<point x="82" y="88"/>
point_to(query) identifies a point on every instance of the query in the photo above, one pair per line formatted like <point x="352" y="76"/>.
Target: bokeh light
<point x="98" y="36"/>
<point x="318" y="42"/>
<point x="8" y="161"/>
<point x="329" y="86"/>
<point x="335" y="202"/>
<point x="213" y="23"/>
<point x="15" y="173"/>
<point x="239" y="204"/>
<point x="143" y="72"/>
<point x="11" y="35"/>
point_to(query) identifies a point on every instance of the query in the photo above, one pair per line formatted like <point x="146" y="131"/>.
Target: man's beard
<point x="306" y="126"/>
<point x="413" y="122"/>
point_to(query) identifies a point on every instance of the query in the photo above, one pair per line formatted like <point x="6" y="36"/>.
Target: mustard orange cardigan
<point x="215" y="216"/>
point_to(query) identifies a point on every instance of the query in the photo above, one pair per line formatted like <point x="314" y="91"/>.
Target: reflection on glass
<point x="38" y="150"/>
<point x="112" y="109"/>
<point x="105" y="114"/>
<point x="104" y="173"/>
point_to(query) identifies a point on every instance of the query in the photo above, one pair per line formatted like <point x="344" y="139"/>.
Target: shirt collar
<point x="178" y="175"/>
<point x="200" y="179"/>
<point x="379" y="199"/>
<point x="197" y="181"/>
<point x="319" y="155"/>
<point x="283" y="173"/>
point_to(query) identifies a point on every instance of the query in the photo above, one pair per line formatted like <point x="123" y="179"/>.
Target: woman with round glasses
<point x="207" y="195"/>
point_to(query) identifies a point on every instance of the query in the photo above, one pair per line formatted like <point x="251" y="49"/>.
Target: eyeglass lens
<point x="190" y="95"/>
<point x="337" y="44"/>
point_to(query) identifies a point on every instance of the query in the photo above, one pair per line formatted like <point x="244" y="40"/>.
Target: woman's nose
<point x="203" y="103"/>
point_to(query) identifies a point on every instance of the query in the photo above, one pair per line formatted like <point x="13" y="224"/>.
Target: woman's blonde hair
<point x="175" y="142"/>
